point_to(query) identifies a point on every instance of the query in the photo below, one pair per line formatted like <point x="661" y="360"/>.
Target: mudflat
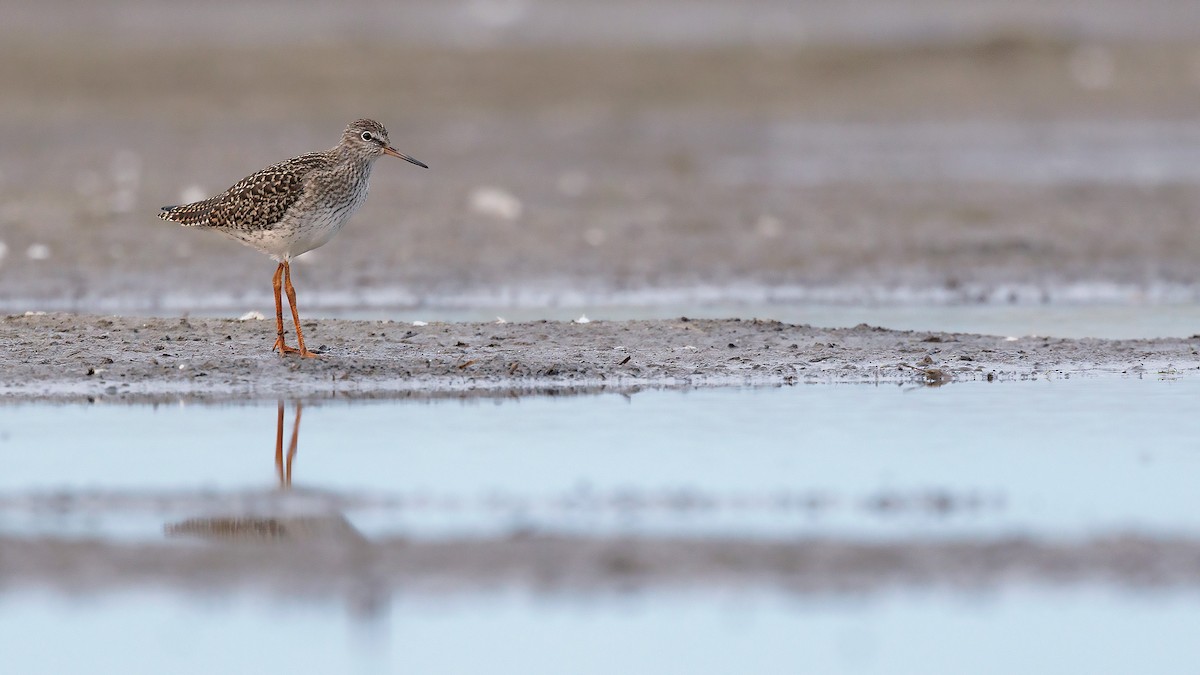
<point x="77" y="357"/>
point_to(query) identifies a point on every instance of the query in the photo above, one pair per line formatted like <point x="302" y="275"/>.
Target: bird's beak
<point x="389" y="150"/>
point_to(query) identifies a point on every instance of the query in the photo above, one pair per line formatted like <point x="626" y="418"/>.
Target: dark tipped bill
<point x="389" y="150"/>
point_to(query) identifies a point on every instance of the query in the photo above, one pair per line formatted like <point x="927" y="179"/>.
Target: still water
<point x="1009" y="631"/>
<point x="1067" y="456"/>
<point x="1058" y="459"/>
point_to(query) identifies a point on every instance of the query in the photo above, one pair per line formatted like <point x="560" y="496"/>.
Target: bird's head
<point x="370" y="139"/>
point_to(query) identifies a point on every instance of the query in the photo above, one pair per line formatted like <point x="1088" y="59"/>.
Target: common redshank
<point x="294" y="206"/>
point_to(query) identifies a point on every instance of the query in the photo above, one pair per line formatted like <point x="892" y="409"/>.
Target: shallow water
<point x="1057" y="459"/>
<point x="653" y="633"/>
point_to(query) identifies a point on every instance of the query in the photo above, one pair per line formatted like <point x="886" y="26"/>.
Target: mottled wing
<point x="257" y="202"/>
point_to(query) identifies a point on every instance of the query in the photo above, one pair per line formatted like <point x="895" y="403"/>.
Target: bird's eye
<point x="366" y="136"/>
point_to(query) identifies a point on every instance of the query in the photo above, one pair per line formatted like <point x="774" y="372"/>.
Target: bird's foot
<point x="284" y="350"/>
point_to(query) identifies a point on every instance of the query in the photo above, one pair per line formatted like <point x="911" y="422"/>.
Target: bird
<point x="294" y="206"/>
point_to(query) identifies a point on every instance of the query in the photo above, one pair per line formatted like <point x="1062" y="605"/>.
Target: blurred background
<point x="592" y="153"/>
<point x="825" y="161"/>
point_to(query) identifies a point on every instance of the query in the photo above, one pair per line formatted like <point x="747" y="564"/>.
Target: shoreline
<point x="68" y="357"/>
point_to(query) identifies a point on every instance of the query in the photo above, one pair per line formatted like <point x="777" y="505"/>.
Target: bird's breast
<point x="340" y="193"/>
<point x="334" y="199"/>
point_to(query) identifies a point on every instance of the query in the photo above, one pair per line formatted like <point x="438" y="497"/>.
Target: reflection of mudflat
<point x="378" y="568"/>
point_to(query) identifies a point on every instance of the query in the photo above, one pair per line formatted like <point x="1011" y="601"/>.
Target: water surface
<point x="1056" y="631"/>
<point x="1057" y="459"/>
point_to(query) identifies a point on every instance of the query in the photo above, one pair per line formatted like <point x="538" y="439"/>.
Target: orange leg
<point x="291" y="294"/>
<point x="280" y="345"/>
<point x="285" y="470"/>
<point x="291" y="455"/>
<point x="279" y="446"/>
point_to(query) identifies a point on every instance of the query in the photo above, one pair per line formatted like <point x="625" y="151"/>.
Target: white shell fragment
<point x="37" y="252"/>
<point x="495" y="202"/>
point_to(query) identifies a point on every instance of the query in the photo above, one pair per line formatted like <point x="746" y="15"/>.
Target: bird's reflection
<point x="279" y="518"/>
<point x="308" y="521"/>
<point x="285" y="469"/>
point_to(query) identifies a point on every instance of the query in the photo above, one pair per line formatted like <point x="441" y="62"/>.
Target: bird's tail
<point x="192" y="214"/>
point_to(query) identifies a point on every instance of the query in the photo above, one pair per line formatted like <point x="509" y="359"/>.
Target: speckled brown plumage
<point x="257" y="201"/>
<point x="294" y="206"/>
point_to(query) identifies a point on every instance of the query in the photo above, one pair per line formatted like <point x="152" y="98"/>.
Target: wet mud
<point x="80" y="357"/>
